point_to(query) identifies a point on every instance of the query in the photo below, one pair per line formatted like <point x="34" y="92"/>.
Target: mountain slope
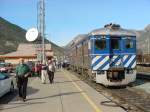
<point x="11" y="35"/>
<point x="143" y="39"/>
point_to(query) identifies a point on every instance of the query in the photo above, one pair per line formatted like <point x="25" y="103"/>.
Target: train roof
<point x="77" y="39"/>
<point x="114" y="30"/>
<point x="109" y="29"/>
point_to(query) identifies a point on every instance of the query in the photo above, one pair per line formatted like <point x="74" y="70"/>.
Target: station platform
<point x="67" y="94"/>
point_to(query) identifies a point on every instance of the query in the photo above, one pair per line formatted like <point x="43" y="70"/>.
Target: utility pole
<point x="41" y="27"/>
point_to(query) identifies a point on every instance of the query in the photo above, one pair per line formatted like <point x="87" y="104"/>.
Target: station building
<point x="28" y="52"/>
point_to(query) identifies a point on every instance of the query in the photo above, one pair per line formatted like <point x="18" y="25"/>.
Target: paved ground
<point x="143" y="82"/>
<point x="144" y="87"/>
<point x="67" y="94"/>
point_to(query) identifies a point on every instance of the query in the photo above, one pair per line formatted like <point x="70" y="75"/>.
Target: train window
<point x="129" y="44"/>
<point x="100" y="44"/>
<point x="115" y="43"/>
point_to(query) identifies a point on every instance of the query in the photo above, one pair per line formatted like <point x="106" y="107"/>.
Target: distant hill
<point x="143" y="39"/>
<point x="11" y="35"/>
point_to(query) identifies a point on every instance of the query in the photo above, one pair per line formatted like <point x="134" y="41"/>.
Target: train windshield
<point x="115" y="43"/>
<point x="129" y="43"/>
<point x="100" y="44"/>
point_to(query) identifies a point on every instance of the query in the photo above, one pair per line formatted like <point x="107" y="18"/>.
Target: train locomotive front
<point x="106" y="55"/>
<point x="113" y="55"/>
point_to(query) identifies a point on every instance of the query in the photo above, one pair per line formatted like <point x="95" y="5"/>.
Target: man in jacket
<point x="22" y="73"/>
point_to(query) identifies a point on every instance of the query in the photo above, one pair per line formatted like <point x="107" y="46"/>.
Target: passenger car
<point x="107" y="55"/>
<point x="6" y="67"/>
<point x="6" y="83"/>
<point x="3" y="67"/>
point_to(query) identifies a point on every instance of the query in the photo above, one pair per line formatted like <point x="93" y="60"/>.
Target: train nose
<point x="115" y="61"/>
<point x="100" y="62"/>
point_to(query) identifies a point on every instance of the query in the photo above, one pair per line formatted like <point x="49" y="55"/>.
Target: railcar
<point x="106" y="55"/>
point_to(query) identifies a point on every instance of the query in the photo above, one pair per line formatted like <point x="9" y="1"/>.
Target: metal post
<point x="42" y="27"/>
<point x="43" y="35"/>
<point x="38" y="46"/>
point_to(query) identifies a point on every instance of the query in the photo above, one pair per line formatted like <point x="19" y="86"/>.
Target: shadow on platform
<point x="8" y="97"/>
<point x="31" y="90"/>
<point x="61" y="94"/>
<point x="66" y="81"/>
<point x="18" y="105"/>
<point x="14" y="96"/>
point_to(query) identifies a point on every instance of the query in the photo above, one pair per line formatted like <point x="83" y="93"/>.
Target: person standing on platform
<point x="38" y="68"/>
<point x="22" y="73"/>
<point x="51" y="71"/>
<point x="44" y="73"/>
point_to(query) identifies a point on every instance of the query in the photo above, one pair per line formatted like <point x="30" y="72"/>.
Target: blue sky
<point x="67" y="18"/>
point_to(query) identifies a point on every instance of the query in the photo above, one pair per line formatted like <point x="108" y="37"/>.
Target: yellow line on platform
<point x="83" y="94"/>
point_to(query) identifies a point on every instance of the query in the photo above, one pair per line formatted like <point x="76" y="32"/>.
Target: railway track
<point x="129" y="99"/>
<point x="142" y="75"/>
<point x="136" y="101"/>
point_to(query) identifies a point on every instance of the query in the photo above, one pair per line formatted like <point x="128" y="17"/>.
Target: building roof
<point x="28" y="50"/>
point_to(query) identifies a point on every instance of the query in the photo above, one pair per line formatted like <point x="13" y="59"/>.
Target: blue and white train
<point x="107" y="55"/>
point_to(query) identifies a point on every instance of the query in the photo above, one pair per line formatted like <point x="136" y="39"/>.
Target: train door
<point x="129" y="49"/>
<point x="116" y="71"/>
<point x="115" y="51"/>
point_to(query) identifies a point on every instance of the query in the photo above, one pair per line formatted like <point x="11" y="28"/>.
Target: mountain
<point x="143" y="40"/>
<point x="12" y="35"/>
